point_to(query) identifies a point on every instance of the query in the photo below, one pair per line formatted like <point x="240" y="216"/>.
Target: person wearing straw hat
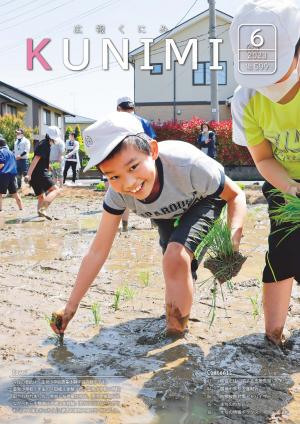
<point x="265" y="38"/>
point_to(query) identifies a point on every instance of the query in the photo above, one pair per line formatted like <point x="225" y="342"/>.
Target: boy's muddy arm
<point x="236" y="210"/>
<point x="90" y="265"/>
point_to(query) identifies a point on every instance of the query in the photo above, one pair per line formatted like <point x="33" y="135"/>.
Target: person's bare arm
<point x="236" y="210"/>
<point x="90" y="266"/>
<point x="1" y="165"/>
<point x="271" y="170"/>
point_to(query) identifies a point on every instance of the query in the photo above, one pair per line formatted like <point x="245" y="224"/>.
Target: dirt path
<point x="123" y="371"/>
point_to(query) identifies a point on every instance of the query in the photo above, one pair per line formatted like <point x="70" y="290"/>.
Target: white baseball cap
<point x="280" y="21"/>
<point x="54" y="133"/>
<point x="104" y="135"/>
<point x="127" y="100"/>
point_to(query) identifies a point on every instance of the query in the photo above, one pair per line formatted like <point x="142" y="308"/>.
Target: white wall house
<point x="182" y="92"/>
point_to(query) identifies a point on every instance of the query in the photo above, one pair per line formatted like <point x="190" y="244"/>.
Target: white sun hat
<point x="265" y="33"/>
<point x="104" y="135"/>
<point x="54" y="133"/>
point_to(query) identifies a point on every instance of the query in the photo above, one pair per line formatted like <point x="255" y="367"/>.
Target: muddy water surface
<point x="123" y="370"/>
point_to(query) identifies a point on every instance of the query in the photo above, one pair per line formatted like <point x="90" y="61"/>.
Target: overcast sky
<point x="92" y="92"/>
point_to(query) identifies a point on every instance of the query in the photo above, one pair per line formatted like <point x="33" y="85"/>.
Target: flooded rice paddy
<point x="123" y="370"/>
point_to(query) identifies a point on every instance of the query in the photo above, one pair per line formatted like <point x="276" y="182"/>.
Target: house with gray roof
<point x="38" y="112"/>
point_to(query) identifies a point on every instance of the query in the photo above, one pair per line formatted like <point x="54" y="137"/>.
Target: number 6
<point x="254" y="36"/>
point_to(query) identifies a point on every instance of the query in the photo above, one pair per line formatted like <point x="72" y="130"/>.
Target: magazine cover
<point x="150" y="211"/>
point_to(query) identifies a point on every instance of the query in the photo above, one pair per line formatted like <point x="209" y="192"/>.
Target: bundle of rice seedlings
<point x="222" y="261"/>
<point x="288" y="212"/>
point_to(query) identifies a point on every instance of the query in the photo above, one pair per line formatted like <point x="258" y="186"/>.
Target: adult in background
<point x="126" y="104"/>
<point x="38" y="173"/>
<point x="21" y="150"/>
<point x="207" y="140"/>
<point x="57" y="151"/>
<point x="8" y="172"/>
<point x="72" y="157"/>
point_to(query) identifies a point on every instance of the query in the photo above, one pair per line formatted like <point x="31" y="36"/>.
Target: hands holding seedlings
<point x="60" y="319"/>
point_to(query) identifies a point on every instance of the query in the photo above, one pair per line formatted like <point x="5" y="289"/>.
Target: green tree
<point x="77" y="132"/>
<point x="82" y="155"/>
<point x="10" y="123"/>
<point x="67" y="133"/>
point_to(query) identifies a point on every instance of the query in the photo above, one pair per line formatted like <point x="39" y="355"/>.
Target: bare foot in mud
<point x="177" y="324"/>
<point x="281" y="342"/>
<point x="159" y="337"/>
<point x="43" y="213"/>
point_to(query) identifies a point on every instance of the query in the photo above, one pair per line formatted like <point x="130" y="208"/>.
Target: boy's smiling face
<point x="131" y="171"/>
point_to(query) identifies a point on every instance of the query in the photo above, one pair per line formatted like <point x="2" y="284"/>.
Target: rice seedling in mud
<point x="117" y="299"/>
<point x="95" y="308"/>
<point x="144" y="277"/>
<point x="125" y="293"/>
<point x="128" y="293"/>
<point x="223" y="262"/>
<point x="287" y="213"/>
<point x="256" y="309"/>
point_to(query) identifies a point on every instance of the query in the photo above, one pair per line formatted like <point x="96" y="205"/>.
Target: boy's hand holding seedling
<point x="61" y="318"/>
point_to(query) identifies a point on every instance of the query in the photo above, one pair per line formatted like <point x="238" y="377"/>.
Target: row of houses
<point x="179" y="93"/>
<point x="38" y="112"/>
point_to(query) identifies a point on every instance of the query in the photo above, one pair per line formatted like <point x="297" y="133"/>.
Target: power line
<point x="63" y="24"/>
<point x="4" y="4"/>
<point x="187" y="12"/>
<point x="22" y="14"/>
<point x="37" y="16"/>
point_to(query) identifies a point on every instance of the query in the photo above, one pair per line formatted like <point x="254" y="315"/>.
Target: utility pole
<point x="213" y="74"/>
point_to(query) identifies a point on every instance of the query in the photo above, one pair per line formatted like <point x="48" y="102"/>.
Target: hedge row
<point x="228" y="153"/>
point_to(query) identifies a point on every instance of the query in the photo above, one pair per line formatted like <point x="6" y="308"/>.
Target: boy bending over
<point x="162" y="181"/>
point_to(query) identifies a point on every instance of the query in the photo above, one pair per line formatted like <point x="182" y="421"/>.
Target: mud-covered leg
<point x="276" y="299"/>
<point x="179" y="287"/>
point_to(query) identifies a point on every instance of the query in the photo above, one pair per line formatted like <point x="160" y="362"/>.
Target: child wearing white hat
<point x="167" y="182"/>
<point x="265" y="38"/>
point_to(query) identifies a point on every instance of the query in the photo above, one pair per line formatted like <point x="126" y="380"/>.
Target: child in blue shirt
<point x="8" y="172"/>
